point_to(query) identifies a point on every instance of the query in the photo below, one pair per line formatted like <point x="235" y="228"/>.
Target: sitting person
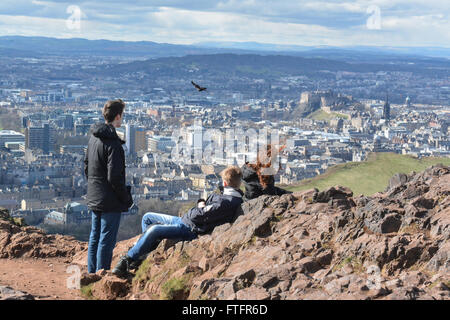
<point x="216" y="210"/>
<point x="257" y="183"/>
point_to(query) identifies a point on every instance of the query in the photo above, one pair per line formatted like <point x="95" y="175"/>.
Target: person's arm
<point x="216" y="212"/>
<point x="116" y="173"/>
<point x="86" y="162"/>
<point x="202" y="215"/>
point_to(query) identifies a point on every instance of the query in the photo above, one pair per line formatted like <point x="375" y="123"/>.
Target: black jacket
<point x="253" y="187"/>
<point x="104" y="166"/>
<point x="219" y="209"/>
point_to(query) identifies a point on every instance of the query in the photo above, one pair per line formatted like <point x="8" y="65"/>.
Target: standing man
<point x="107" y="194"/>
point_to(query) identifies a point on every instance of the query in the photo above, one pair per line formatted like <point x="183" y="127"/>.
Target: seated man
<point x="216" y="210"/>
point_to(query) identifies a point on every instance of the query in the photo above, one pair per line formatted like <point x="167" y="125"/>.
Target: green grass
<point x="86" y="291"/>
<point x="370" y="176"/>
<point x="142" y="271"/>
<point x="354" y="262"/>
<point x="174" y="288"/>
<point x="321" y="115"/>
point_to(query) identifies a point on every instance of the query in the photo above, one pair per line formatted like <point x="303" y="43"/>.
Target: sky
<point x="300" y="22"/>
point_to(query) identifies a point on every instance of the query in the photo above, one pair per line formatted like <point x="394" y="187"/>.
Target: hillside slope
<point x="370" y="176"/>
<point x="309" y="245"/>
<point x="33" y="264"/>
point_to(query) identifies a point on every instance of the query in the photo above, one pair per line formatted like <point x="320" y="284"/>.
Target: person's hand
<point x="201" y="203"/>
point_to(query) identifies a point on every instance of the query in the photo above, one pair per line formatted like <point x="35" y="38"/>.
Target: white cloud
<point x="403" y="22"/>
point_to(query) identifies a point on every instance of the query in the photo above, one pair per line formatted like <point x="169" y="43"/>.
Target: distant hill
<point x="370" y="176"/>
<point x="37" y="46"/>
<point x="256" y="65"/>
<point x="43" y="46"/>
<point x="361" y="52"/>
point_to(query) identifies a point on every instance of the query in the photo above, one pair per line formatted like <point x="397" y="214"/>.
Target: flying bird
<point x="198" y="87"/>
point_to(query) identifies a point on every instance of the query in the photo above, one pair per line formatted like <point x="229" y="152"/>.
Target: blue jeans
<point x="156" y="227"/>
<point x="102" y="240"/>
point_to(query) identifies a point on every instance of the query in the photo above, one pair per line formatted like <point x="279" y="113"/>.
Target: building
<point x="81" y="129"/>
<point x="140" y="139"/>
<point x="11" y="205"/>
<point x="159" y="143"/>
<point x="387" y="110"/>
<point x="40" y="136"/>
<point x="73" y="212"/>
<point x="80" y="149"/>
<point x="135" y="138"/>
<point x="10" y="136"/>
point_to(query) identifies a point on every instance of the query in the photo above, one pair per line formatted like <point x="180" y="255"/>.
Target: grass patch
<point x="370" y="176"/>
<point x="142" y="272"/>
<point x="321" y="115"/>
<point x="184" y="259"/>
<point x="175" y="289"/>
<point x="354" y="262"/>
<point x="86" y="292"/>
<point x="411" y="229"/>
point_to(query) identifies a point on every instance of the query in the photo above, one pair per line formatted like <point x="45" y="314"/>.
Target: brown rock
<point x="309" y="265"/>
<point x="203" y="264"/>
<point x="110" y="288"/>
<point x="88" y="278"/>
<point x="7" y="293"/>
<point x="252" y="293"/>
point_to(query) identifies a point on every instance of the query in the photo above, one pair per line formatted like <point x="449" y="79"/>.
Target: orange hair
<point x="264" y="161"/>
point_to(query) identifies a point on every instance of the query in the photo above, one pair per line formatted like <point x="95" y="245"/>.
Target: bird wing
<point x="195" y="85"/>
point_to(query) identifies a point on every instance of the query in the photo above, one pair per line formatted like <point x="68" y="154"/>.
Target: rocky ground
<point x="306" y="245"/>
<point x="309" y="245"/>
<point x="34" y="265"/>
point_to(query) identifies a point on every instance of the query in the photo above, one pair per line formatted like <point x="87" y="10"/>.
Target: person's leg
<point x="151" y="218"/>
<point x="149" y="241"/>
<point x="152" y="237"/>
<point x="93" y="242"/>
<point x="109" y="227"/>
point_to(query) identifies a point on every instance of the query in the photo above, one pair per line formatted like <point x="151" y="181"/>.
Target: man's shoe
<point x="123" y="266"/>
<point x="135" y="264"/>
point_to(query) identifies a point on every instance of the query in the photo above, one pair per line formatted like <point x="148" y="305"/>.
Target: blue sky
<point x="301" y="22"/>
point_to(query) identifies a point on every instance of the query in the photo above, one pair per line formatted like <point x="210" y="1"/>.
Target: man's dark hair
<point x="112" y="108"/>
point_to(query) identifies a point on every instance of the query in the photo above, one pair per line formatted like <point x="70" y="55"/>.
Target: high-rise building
<point x="140" y="142"/>
<point x="135" y="138"/>
<point x="130" y="133"/>
<point x="68" y="121"/>
<point x="40" y="136"/>
<point x="387" y="110"/>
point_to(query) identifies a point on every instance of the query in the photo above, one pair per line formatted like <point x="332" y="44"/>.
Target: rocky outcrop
<point x="7" y="293"/>
<point x="311" y="245"/>
<point x="18" y="240"/>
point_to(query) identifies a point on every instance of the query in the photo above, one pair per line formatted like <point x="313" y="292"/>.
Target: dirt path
<point x="45" y="279"/>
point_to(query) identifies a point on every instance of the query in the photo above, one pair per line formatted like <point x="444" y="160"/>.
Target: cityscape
<point x="323" y="119"/>
<point x="225" y="150"/>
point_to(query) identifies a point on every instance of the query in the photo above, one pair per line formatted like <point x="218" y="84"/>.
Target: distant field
<point x="370" y="176"/>
<point x="320" y="115"/>
<point x="10" y="121"/>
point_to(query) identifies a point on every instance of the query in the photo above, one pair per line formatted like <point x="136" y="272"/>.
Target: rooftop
<point x="10" y="132"/>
